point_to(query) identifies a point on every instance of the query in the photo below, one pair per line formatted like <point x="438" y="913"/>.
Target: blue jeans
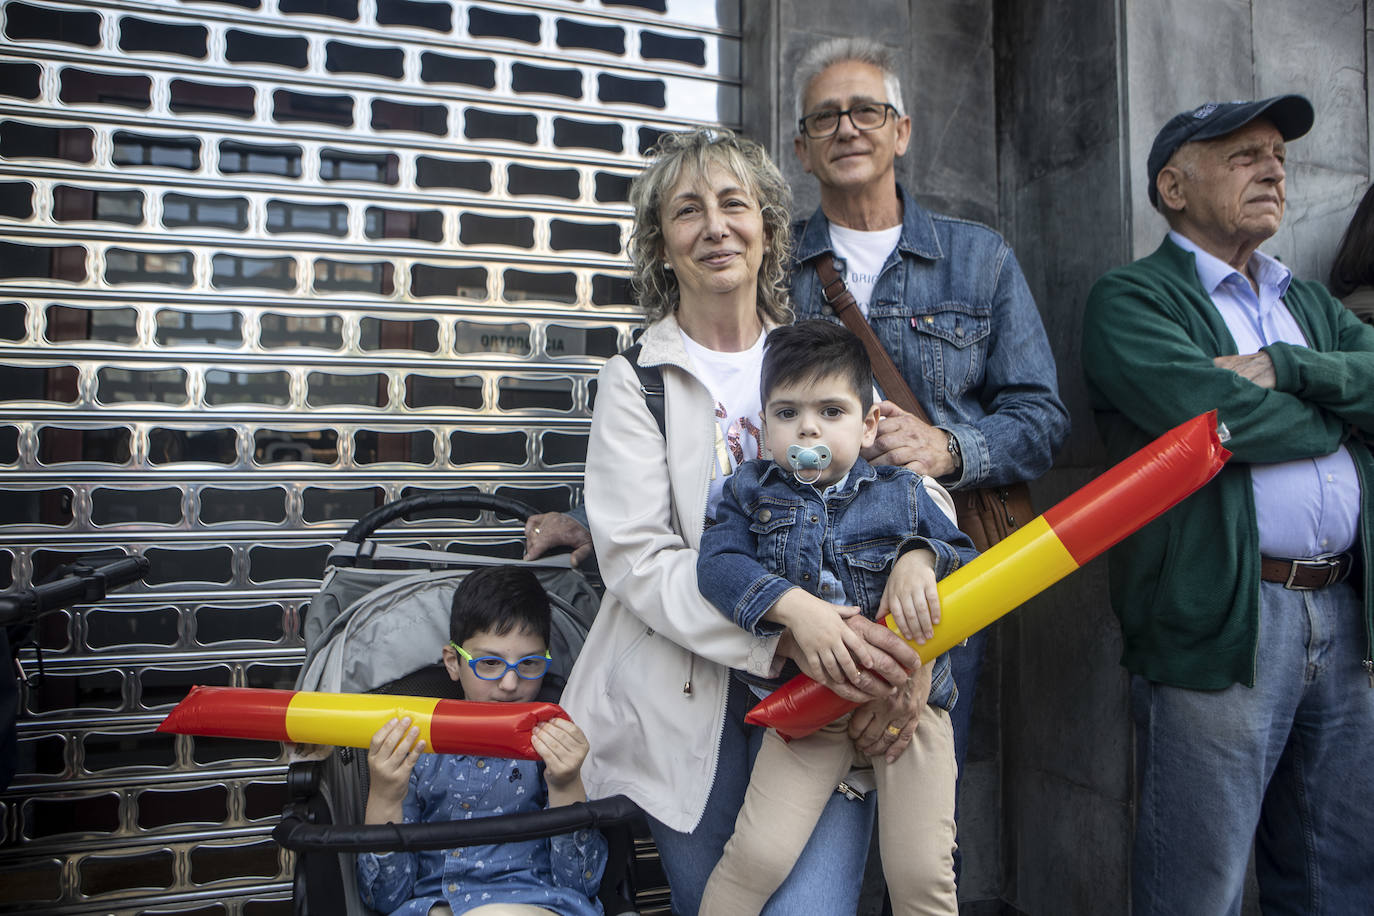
<point x="1286" y="763"/>
<point x="828" y="876"/>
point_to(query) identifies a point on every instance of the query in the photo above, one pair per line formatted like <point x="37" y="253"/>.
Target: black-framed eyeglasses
<point x="824" y="123"/>
<point x="494" y="667"/>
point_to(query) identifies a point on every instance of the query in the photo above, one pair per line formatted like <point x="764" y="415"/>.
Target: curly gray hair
<point x="695" y="152"/>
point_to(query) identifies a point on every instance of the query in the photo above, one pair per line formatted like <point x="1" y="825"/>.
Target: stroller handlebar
<point x="296" y="833"/>
<point x="449" y="499"/>
<point x="82" y="585"/>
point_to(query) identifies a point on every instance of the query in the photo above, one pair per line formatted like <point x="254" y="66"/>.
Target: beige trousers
<point x="790" y="786"/>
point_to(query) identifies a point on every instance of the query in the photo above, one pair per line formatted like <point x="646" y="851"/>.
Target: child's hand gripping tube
<point x="808" y="461"/>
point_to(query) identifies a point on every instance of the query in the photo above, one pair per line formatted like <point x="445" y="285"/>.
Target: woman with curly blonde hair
<point x="696" y="153"/>
<point x="652" y="688"/>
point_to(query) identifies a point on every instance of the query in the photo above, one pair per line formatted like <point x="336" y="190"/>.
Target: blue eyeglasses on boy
<point x="494" y="667"/>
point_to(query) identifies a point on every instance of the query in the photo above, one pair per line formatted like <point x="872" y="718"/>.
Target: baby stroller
<point x="383" y="610"/>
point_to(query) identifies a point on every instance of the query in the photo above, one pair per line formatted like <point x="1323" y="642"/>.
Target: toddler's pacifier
<point x="809" y="461"/>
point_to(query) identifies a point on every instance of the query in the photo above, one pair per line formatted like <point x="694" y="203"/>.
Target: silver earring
<point x="668" y="265"/>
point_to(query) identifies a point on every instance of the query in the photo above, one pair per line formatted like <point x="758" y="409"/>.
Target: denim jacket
<point x="772" y="533"/>
<point x="953" y="310"/>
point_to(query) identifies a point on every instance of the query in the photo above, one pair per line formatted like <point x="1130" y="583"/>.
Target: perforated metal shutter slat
<point x="266" y="264"/>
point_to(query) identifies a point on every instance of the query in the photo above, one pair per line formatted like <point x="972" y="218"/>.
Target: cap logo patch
<point x="1205" y="110"/>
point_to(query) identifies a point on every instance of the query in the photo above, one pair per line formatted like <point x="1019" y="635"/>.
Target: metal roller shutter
<point x="264" y="265"/>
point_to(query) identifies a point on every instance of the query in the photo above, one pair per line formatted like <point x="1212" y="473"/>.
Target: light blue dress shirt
<point x="1304" y="508"/>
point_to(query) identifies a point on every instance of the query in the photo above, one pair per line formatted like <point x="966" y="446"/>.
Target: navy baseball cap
<point x="1291" y="114"/>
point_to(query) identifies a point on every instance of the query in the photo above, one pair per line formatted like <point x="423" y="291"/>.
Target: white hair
<point x="838" y="50"/>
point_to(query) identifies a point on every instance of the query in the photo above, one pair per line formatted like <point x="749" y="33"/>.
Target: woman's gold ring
<point x="536" y="531"/>
<point x="893" y="730"/>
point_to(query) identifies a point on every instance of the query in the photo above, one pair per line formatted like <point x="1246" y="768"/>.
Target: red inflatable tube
<point x="1118" y="503"/>
<point x="350" y="719"/>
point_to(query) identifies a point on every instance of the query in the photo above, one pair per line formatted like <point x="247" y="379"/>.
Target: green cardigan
<point x="1186" y="587"/>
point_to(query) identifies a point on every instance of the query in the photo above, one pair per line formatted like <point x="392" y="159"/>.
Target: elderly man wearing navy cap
<point x="1247" y="612"/>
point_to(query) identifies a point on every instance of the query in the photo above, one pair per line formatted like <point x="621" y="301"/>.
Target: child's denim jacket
<point x="772" y="532"/>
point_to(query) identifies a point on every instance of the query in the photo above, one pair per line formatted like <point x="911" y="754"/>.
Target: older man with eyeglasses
<point x="946" y="300"/>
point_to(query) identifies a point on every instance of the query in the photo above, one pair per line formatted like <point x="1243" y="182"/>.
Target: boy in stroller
<point x="499" y="652"/>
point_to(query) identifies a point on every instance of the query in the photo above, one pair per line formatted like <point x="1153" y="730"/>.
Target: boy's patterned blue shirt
<point x="561" y="874"/>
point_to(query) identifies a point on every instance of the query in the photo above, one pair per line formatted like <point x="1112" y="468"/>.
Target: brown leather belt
<point x="1306" y="575"/>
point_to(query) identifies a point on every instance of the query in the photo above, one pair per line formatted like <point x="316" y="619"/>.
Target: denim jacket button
<point x="806" y="577"/>
<point x="765" y="514"/>
<point x="815" y="518"/>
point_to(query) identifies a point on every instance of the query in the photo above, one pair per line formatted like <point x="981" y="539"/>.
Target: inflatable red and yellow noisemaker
<point x="350" y="719"/>
<point x="1118" y="503"/>
<point x="1111" y="507"/>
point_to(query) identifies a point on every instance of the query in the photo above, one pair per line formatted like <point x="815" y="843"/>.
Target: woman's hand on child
<point x="885" y="727"/>
<point x="893" y="661"/>
<point x="827" y="649"/>
<point x="911" y="596"/>
<point x="390" y="757"/>
<point x="562" y="746"/>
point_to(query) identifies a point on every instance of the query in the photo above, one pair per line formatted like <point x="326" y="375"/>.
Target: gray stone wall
<point x="1066" y="774"/>
<point x="1233" y="49"/>
<point x="1035" y="116"/>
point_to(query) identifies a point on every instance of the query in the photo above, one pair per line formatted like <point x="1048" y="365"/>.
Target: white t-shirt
<point x="864" y="254"/>
<point x="733" y="380"/>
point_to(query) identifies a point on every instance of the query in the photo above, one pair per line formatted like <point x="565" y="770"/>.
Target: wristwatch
<point x="954" y="452"/>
